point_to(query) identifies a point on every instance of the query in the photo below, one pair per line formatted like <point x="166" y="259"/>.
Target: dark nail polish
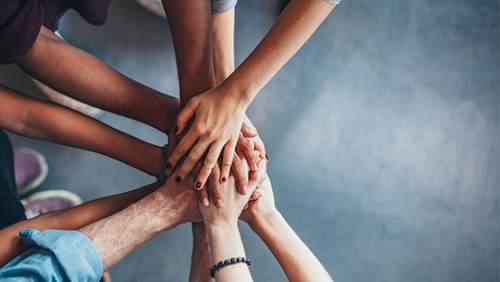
<point x="223" y="179"/>
<point x="176" y="129"/>
<point x="169" y="165"/>
<point x="267" y="157"/>
<point x="198" y="184"/>
<point x="178" y="179"/>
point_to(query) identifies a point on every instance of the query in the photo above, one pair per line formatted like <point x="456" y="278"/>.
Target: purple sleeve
<point x="20" y="23"/>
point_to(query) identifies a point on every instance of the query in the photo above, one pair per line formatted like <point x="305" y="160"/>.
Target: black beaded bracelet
<point x="162" y="175"/>
<point x="228" y="262"/>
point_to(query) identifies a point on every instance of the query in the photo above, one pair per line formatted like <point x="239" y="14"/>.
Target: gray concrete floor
<point x="382" y="133"/>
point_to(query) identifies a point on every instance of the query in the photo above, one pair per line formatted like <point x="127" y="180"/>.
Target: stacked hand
<point x="217" y="124"/>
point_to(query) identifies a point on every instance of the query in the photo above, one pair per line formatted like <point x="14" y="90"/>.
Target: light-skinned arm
<point x="69" y="219"/>
<point x="219" y="112"/>
<point x="295" y="258"/>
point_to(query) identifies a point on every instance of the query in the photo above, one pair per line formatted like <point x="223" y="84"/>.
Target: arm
<point x="82" y="76"/>
<point x="219" y="113"/>
<point x="116" y="236"/>
<point x="222" y="228"/>
<point x="69" y="219"/>
<point x="201" y="258"/>
<point x="32" y="118"/>
<point x="298" y="262"/>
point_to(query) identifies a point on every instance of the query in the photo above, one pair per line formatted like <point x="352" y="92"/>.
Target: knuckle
<point x="192" y="157"/>
<point x="210" y="160"/>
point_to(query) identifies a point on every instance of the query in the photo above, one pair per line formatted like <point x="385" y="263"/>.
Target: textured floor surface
<point x="382" y="133"/>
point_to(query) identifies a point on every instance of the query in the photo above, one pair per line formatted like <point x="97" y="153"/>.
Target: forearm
<point x="297" y="261"/>
<point x="190" y="24"/>
<point x="32" y="118"/>
<point x="201" y="261"/>
<point x="223" y="45"/>
<point x="292" y="29"/>
<point x="69" y="219"/>
<point x="116" y="236"/>
<point x="82" y="76"/>
<point x="225" y="243"/>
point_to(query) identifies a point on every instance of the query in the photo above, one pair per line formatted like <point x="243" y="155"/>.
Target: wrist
<point x="264" y="220"/>
<point x="240" y="90"/>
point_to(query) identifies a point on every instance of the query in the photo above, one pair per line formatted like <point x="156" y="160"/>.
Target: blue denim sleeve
<point x="56" y="255"/>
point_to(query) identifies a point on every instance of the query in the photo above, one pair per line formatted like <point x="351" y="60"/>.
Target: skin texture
<point x="36" y="119"/>
<point x="52" y="61"/>
<point x="168" y="206"/>
<point x="223" y="233"/>
<point x="219" y="112"/>
<point x="191" y="25"/>
<point x="69" y="219"/>
<point x="297" y="261"/>
<point x="201" y="257"/>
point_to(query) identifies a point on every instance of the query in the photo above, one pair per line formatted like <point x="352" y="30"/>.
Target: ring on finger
<point x="208" y="167"/>
<point x="226" y="164"/>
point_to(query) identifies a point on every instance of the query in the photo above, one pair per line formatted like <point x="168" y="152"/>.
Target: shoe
<point x="50" y="200"/>
<point x="153" y="6"/>
<point x="64" y="100"/>
<point x="30" y="169"/>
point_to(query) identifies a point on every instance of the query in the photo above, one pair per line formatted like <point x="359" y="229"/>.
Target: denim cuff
<point x="56" y="255"/>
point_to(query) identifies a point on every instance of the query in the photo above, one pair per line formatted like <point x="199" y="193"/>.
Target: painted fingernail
<point x="176" y="129"/>
<point x="205" y="202"/>
<point x="223" y="179"/>
<point x="198" y="185"/>
<point x="255" y="167"/>
<point x="244" y="190"/>
<point x="178" y="179"/>
<point x="169" y="165"/>
<point x="267" y="157"/>
<point x="220" y="204"/>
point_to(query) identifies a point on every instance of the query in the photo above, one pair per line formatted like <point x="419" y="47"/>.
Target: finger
<point x="248" y="131"/>
<point x="227" y="160"/>
<point x="259" y="146"/>
<point x="185" y="115"/>
<point x="247" y="147"/>
<point x="203" y="196"/>
<point x="240" y="174"/>
<point x="255" y="196"/>
<point x="208" y="165"/>
<point x="180" y="150"/>
<point x="216" y="187"/>
<point x="192" y="158"/>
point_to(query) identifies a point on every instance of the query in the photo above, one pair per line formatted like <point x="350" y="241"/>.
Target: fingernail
<point x="267" y="157"/>
<point x="219" y="203"/>
<point x="255" y="167"/>
<point x="176" y="129"/>
<point x="223" y="179"/>
<point x="205" y="202"/>
<point x="178" y="179"/>
<point x="198" y="185"/>
<point x="244" y="190"/>
<point x="169" y="165"/>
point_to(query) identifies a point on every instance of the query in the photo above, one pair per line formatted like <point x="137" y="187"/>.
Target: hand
<point x="218" y="118"/>
<point x="229" y="213"/>
<point x="183" y="196"/>
<point x="262" y="207"/>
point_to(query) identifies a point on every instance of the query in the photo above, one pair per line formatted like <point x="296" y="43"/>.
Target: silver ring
<point x="208" y="167"/>
<point x="226" y="164"/>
